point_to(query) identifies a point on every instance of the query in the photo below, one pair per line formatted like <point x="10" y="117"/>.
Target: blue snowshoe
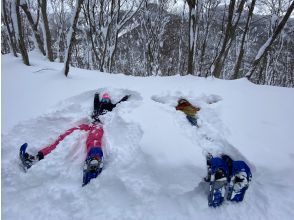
<point x="93" y="165"/>
<point x="236" y="193"/>
<point x="217" y="188"/>
<point x="218" y="178"/>
<point x="239" y="182"/>
<point x="26" y="159"/>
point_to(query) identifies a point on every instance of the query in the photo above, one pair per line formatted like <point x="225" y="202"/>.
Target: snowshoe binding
<point x="237" y="187"/>
<point x="26" y="159"/>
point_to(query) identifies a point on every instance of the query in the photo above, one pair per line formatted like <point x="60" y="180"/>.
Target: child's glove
<point x="125" y="98"/>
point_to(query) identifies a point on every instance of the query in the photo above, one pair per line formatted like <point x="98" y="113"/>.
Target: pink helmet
<point x="106" y="96"/>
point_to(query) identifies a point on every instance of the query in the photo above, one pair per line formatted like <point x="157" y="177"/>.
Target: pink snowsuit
<point x="95" y="134"/>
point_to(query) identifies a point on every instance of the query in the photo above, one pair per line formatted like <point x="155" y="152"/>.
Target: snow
<point x="154" y="159"/>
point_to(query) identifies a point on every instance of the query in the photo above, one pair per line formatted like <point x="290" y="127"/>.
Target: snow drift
<point x="154" y="161"/>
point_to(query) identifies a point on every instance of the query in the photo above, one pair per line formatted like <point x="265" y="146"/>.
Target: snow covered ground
<point x="154" y="158"/>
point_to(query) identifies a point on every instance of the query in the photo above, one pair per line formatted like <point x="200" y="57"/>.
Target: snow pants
<point x="93" y="142"/>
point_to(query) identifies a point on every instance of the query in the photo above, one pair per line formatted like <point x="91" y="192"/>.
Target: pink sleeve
<point x="48" y="149"/>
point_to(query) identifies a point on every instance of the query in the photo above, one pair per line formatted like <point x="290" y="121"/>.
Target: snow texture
<point x="154" y="159"/>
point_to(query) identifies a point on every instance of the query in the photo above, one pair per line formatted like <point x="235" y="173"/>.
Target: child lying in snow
<point x="189" y="110"/>
<point x="94" y="160"/>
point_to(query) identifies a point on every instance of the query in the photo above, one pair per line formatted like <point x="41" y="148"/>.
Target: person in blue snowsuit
<point x="224" y="174"/>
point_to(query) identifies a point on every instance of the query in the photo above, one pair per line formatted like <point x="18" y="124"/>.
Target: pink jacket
<point x="95" y="134"/>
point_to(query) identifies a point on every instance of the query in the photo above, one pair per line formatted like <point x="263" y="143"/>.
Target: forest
<point x="224" y="39"/>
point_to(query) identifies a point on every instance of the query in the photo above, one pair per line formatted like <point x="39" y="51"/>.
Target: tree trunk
<point x="10" y="34"/>
<point x="207" y="17"/>
<point x="34" y="27"/>
<point x="241" y="53"/>
<point x="47" y="30"/>
<point x="266" y="47"/>
<point x="180" y="53"/>
<point x="229" y="36"/>
<point x="191" y="37"/>
<point x="217" y="66"/>
<point x="20" y="37"/>
<point x="71" y="36"/>
<point x="87" y="12"/>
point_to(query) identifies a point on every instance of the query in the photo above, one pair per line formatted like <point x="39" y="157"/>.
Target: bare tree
<point x="145" y="37"/>
<point x="107" y="20"/>
<point x="153" y="21"/>
<point x="7" y="22"/>
<point x="267" y="45"/>
<point x="241" y="49"/>
<point x="34" y="26"/>
<point x="59" y="21"/>
<point x="117" y="22"/>
<point x="208" y="19"/>
<point x="180" y="67"/>
<point x="71" y="35"/>
<point x="20" y="36"/>
<point x="192" y="33"/>
<point x="229" y="36"/>
<point x="47" y="33"/>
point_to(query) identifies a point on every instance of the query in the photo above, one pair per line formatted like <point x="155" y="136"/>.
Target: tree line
<point x="225" y="39"/>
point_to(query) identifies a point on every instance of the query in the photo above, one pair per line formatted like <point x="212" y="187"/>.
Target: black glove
<point x="40" y="155"/>
<point x="125" y="98"/>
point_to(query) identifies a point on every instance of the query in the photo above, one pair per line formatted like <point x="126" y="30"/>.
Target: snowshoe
<point x="237" y="187"/>
<point x="236" y="195"/>
<point x="92" y="169"/>
<point x="26" y="159"/>
<point x="217" y="188"/>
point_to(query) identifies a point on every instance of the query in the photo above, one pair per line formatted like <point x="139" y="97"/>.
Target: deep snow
<point x="154" y="158"/>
